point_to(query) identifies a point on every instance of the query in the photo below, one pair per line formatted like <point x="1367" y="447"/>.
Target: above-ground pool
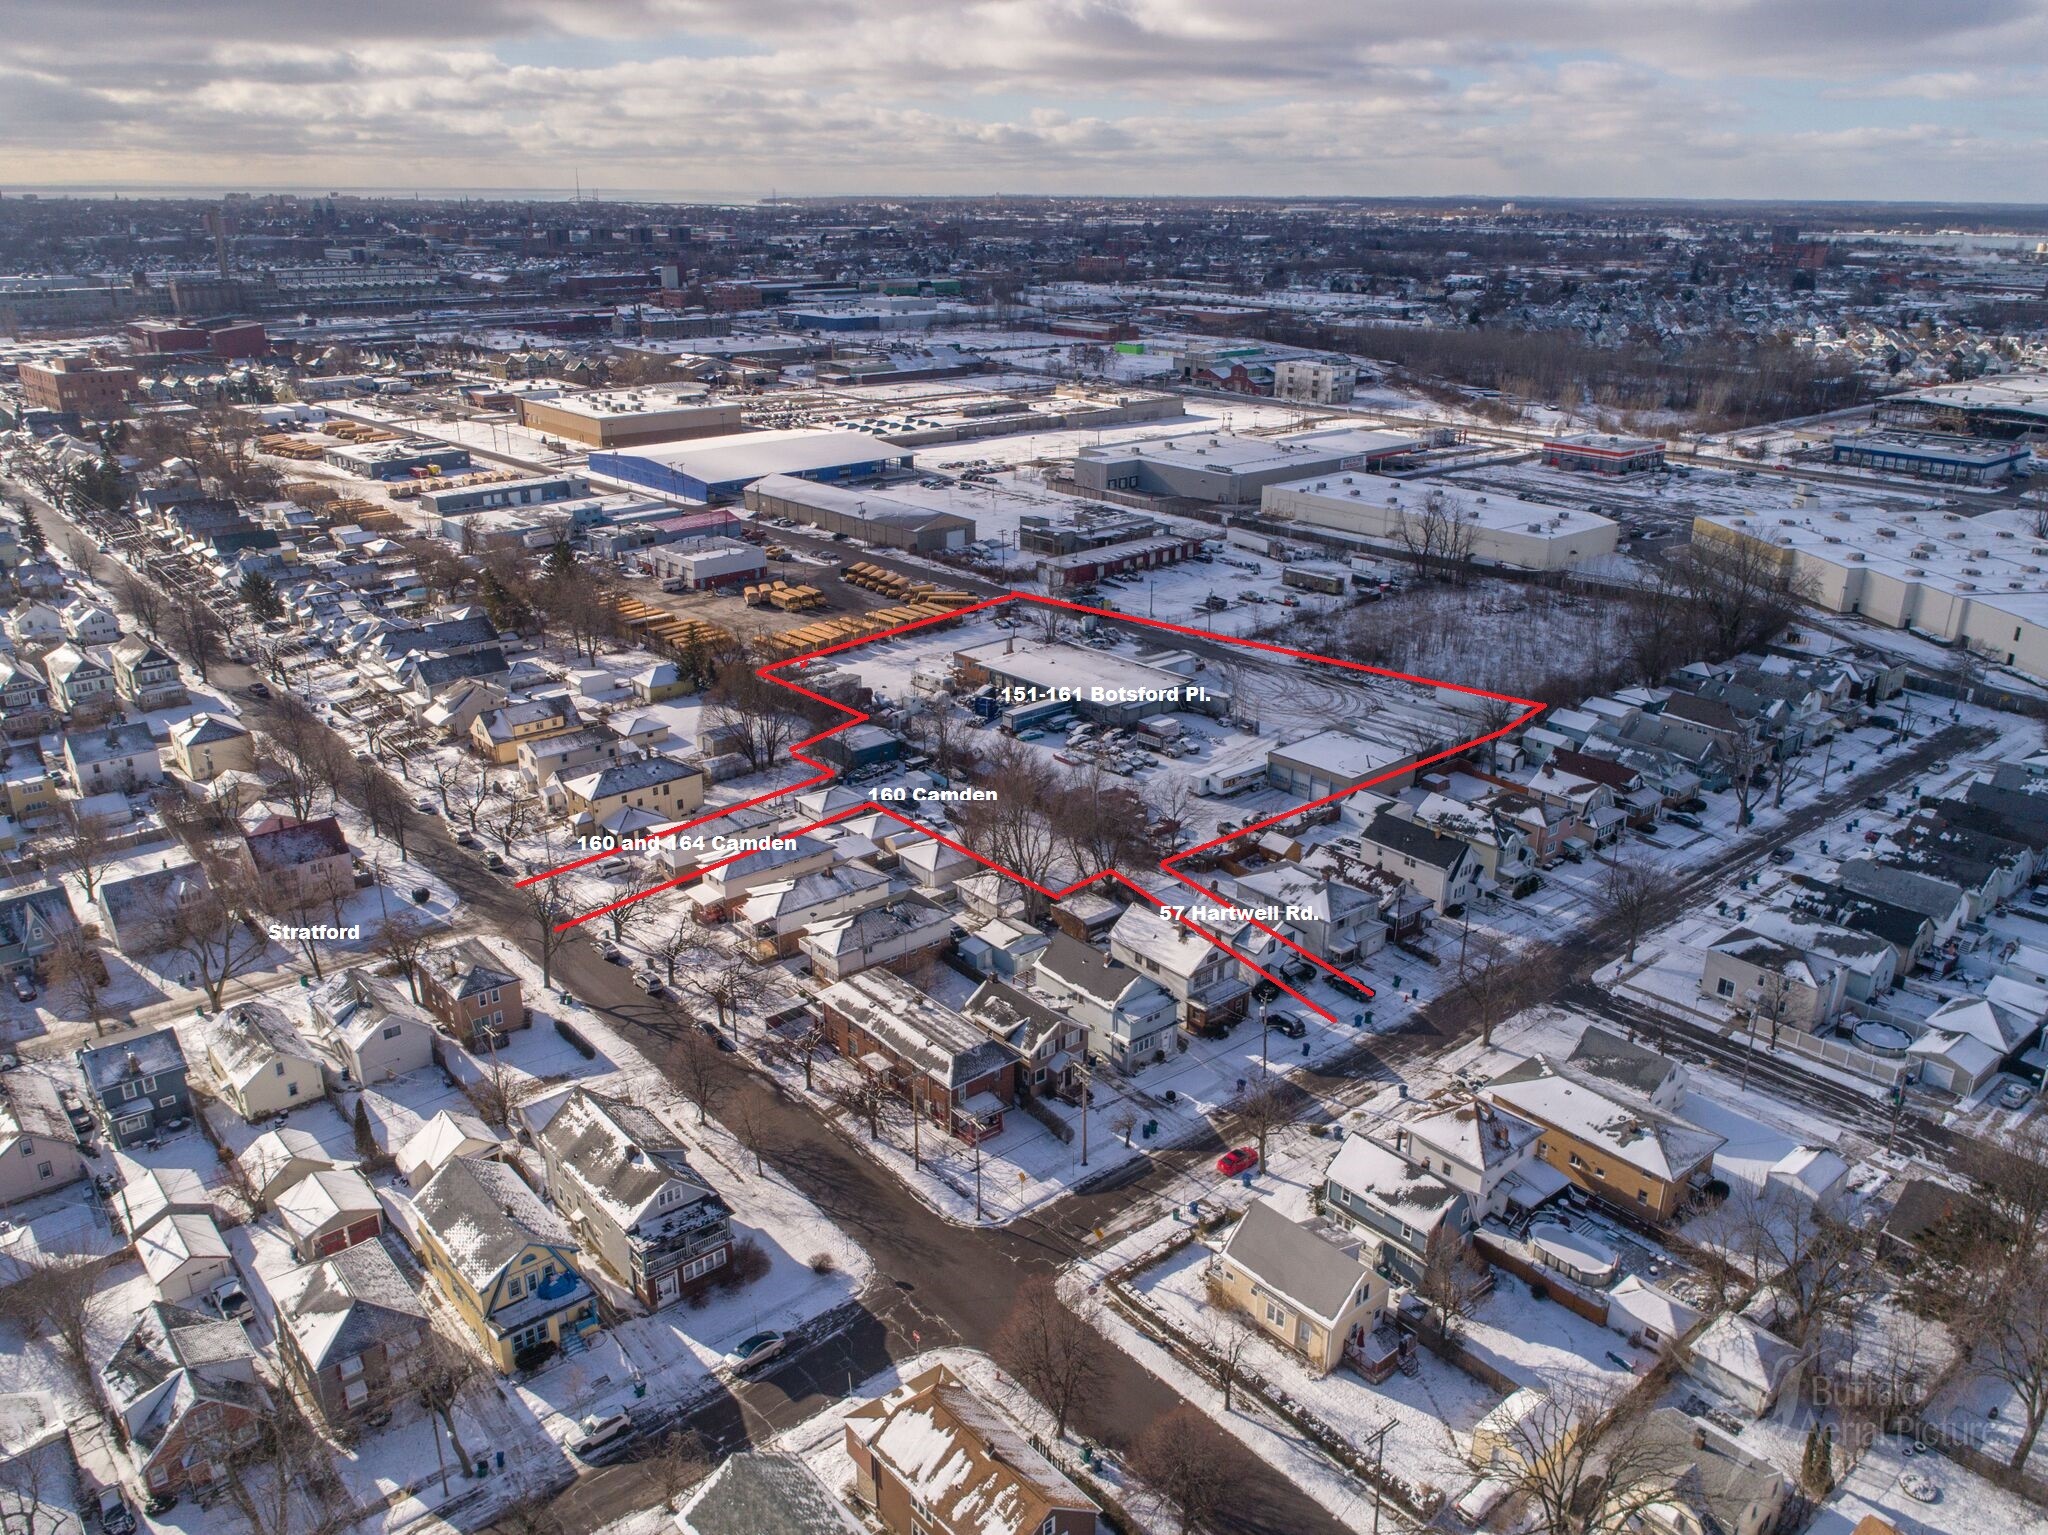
<point x="1574" y="1254"/>
<point x="1881" y="1038"/>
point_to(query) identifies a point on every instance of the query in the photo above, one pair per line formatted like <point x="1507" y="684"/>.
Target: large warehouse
<point x="721" y="468"/>
<point x="2009" y="406"/>
<point x="1451" y="522"/>
<point x="1115" y="690"/>
<point x="1977" y="579"/>
<point x="867" y="515"/>
<point x="621" y="418"/>
<point x="1203" y="467"/>
<point x="1930" y="456"/>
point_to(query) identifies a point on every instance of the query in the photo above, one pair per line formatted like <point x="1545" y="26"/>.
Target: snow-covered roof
<point x="626" y="1163"/>
<point x="483" y="1216"/>
<point x="1661" y="1145"/>
<point x="348" y="1302"/>
<point x="319" y="1200"/>
<point x="917" y="1027"/>
<point x="1744" y="1351"/>
<point x="449" y="1134"/>
<point x="277" y="1158"/>
<point x="1316" y="1275"/>
<point x="1648" y="1306"/>
<point x="177" y="1240"/>
<point x="1400" y="1185"/>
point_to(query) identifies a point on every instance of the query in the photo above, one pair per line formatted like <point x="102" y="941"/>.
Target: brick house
<point x="183" y="1394"/>
<point x="469" y="990"/>
<point x="350" y="1330"/>
<point x="297" y="864"/>
<point x="946" y="1066"/>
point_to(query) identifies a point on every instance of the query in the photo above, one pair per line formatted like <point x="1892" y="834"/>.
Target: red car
<point x="1242" y="1160"/>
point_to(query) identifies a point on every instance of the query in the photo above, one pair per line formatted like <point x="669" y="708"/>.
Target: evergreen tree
<point x="259" y="595"/>
<point x="32" y="538"/>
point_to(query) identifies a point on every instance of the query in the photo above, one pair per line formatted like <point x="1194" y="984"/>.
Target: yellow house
<point x="206" y="746"/>
<point x="504" y="1261"/>
<point x="26" y="783"/>
<point x="1299" y="1288"/>
<point x="497" y="734"/>
<point x="659" y="785"/>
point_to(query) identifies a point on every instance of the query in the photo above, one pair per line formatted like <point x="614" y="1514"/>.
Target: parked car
<point x="259" y="690"/>
<point x="115" y="1516"/>
<point x="613" y="954"/>
<point x="1241" y="1160"/>
<point x="467" y="839"/>
<point x="1293" y="1025"/>
<point x="650" y="983"/>
<point x="231" y="1301"/>
<point x="2015" y="1095"/>
<point x="754" y="1352"/>
<point x="24" y="988"/>
<point x="495" y="864"/>
<point x="598" y="1437"/>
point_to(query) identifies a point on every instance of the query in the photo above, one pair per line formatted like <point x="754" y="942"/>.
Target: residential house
<point x="1604" y="1056"/>
<point x="1211" y="986"/>
<point x="1940" y="901"/>
<point x="544" y="761"/>
<point x="1649" y="1317"/>
<point x="1737" y="738"/>
<point x="1442" y="868"/>
<point x="1697" y="1481"/>
<point x="1739" y="1360"/>
<point x="185" y="1257"/>
<point x="497" y="734"/>
<point x="756" y="1491"/>
<point x="448" y="1135"/>
<point x="1589" y="801"/>
<point x="468" y="989"/>
<point x="1607" y="1140"/>
<point x="1867" y="963"/>
<point x="140" y="911"/>
<point x="1813" y="1174"/>
<point x="722" y="890"/>
<point x="375" y="1029"/>
<point x="623" y="1180"/>
<point x="184" y="1394"/>
<point x="328" y="1210"/>
<point x="136" y="1086"/>
<point x="663" y="787"/>
<point x="25" y="780"/>
<point x="204" y="746"/>
<point x="1970" y="1040"/>
<point x="39" y="1149"/>
<point x="947" y="1067"/>
<point x="1315" y="1296"/>
<point x="1483" y="1151"/>
<point x="1052" y="1044"/>
<point x="1002" y="947"/>
<point x="115" y="758"/>
<point x="1329" y="917"/>
<point x="81" y="685"/>
<point x="1909" y="934"/>
<point x="89" y="623"/>
<point x="1772" y="982"/>
<point x="898" y="936"/>
<point x="149" y="1194"/>
<point x="298" y="864"/>
<point x="932" y="1457"/>
<point x="35" y="626"/>
<point x="935" y="867"/>
<point x="261" y="1063"/>
<point x="504" y="1261"/>
<point x="658" y="683"/>
<point x="775" y="916"/>
<point x="1507" y="860"/>
<point x="24" y="699"/>
<point x="352" y="1329"/>
<point x="146" y="676"/>
<point x="1132" y="1020"/>
<point x="1407" y="1211"/>
<point x="277" y="1160"/>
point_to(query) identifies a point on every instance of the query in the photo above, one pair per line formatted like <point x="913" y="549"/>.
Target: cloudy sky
<point x="1914" y="99"/>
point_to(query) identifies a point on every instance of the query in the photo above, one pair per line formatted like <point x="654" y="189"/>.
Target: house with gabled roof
<point x="277" y="1159"/>
<point x="1131" y="1019"/>
<point x="449" y="1134"/>
<point x="297" y="864"/>
<point x="1779" y="985"/>
<point x="1698" y="1481"/>
<point x="39" y="1149"/>
<point x="898" y="935"/>
<point x="262" y="1064"/>
<point x="207" y="745"/>
<point x="624" y="1181"/>
<point x="1607" y="1139"/>
<point x="1406" y="1210"/>
<point x="1442" y="868"/>
<point x="183" y="1389"/>
<point x="775" y="916"/>
<point x="932" y="1457"/>
<point x="351" y="1328"/>
<point x="1316" y="1296"/>
<point x="472" y="993"/>
<point x="504" y="1261"/>
<point x="948" y="1068"/>
<point x="374" y="1031"/>
<point x="1052" y="1044"/>
<point x="328" y="1210"/>
<point x="755" y="1491"/>
<point x="118" y="757"/>
<point x="81" y="684"/>
<point x="146" y="675"/>
<point x="1212" y="986"/>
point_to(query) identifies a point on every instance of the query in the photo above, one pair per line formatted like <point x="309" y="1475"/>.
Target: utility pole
<point x="1379" y="1469"/>
<point x="1084" y="1110"/>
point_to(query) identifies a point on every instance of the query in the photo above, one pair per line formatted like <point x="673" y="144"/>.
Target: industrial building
<point x="538" y="490"/>
<point x="1604" y="453"/>
<point x="1315" y="380"/>
<point x="721" y="468"/>
<point x="1202" y="467"/>
<point x="870" y="516"/>
<point x="69" y="384"/>
<point x="1449" y="522"/>
<point x="1978" y="580"/>
<point x="1930" y="456"/>
<point x="396" y="460"/>
<point x="2011" y="405"/>
<point x="1332" y="761"/>
<point x="1067" y="573"/>
<point x="621" y="418"/>
<point x="1087" y="527"/>
<point x="700" y="563"/>
<point x="1112" y="689"/>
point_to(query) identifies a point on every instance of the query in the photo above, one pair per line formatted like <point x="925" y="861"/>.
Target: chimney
<point x="1699" y="1437"/>
<point x="134" y="1064"/>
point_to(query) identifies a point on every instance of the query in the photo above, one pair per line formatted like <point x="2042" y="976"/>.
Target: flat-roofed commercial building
<point x="1116" y="690"/>
<point x="67" y="384"/>
<point x="1604" y="453"/>
<point x="867" y="515"/>
<point x="1930" y="456"/>
<point x="1981" y="580"/>
<point x="1206" y="467"/>
<point x="721" y="468"/>
<point x="621" y="418"/>
<point x="1444" y="522"/>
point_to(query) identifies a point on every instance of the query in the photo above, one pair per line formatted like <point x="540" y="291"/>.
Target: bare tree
<point x="443" y="1371"/>
<point x="548" y="904"/>
<point x="1189" y="1465"/>
<point x="86" y="850"/>
<point x="496" y="1091"/>
<point x="730" y="984"/>
<point x="142" y="598"/>
<point x="683" y="942"/>
<point x="57" y="1295"/>
<point x="1492" y="985"/>
<point x="1452" y="1282"/>
<point x="514" y="813"/>
<point x="749" y="1123"/>
<point x="1226" y="1335"/>
<point x="1630" y="888"/>
<point x="1588" y="1462"/>
<point x="404" y="939"/>
<point x="198" y="634"/>
<point x="1267" y="1106"/>
<point x="78" y="969"/>
<point x="757" y="714"/>
<point x="2012" y="1348"/>
<point x="1819" y="1264"/>
<point x="1051" y="1349"/>
<point x="218" y="932"/>
<point x="623" y="919"/>
<point x="696" y="1065"/>
<point x="866" y="1098"/>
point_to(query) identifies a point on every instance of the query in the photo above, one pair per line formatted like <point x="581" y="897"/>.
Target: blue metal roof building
<point x="720" y="468"/>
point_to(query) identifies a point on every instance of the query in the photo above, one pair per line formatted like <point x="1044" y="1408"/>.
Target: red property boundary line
<point x="826" y="773"/>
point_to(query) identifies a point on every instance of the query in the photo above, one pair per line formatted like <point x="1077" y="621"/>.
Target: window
<point x="149" y="1084"/>
<point x="1573" y="1158"/>
<point x="1724" y="987"/>
<point x="278" y="1069"/>
<point x="28" y="1148"/>
<point x="350" y="1367"/>
<point x="291" y="1090"/>
<point x="355" y="1393"/>
<point x="1276" y="1316"/>
<point x="697" y="1267"/>
<point x="46" y="1170"/>
<point x="127" y="1090"/>
<point x="1642" y="1196"/>
<point x="391" y="1031"/>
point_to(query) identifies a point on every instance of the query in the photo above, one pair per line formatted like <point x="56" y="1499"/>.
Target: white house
<point x="443" y="1138"/>
<point x="261" y="1063"/>
<point x="185" y="1256"/>
<point x="373" y="1026"/>
<point x="38" y="1148"/>
<point x="277" y="1159"/>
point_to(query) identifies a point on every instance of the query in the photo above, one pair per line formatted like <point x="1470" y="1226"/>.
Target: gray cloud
<point x="725" y="97"/>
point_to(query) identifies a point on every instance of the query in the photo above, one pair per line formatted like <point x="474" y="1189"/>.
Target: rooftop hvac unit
<point x="1972" y="570"/>
<point x="1980" y="554"/>
<point x="1841" y="516"/>
<point x="2004" y="533"/>
<point x="1956" y="537"/>
<point x="1951" y="516"/>
<point x="1887" y="532"/>
<point x="1915" y="570"/>
<point x="1857" y="554"/>
<point x="1966" y="586"/>
<point x="1354" y="491"/>
<point x="1535" y="527"/>
<point x="2015" y="585"/>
